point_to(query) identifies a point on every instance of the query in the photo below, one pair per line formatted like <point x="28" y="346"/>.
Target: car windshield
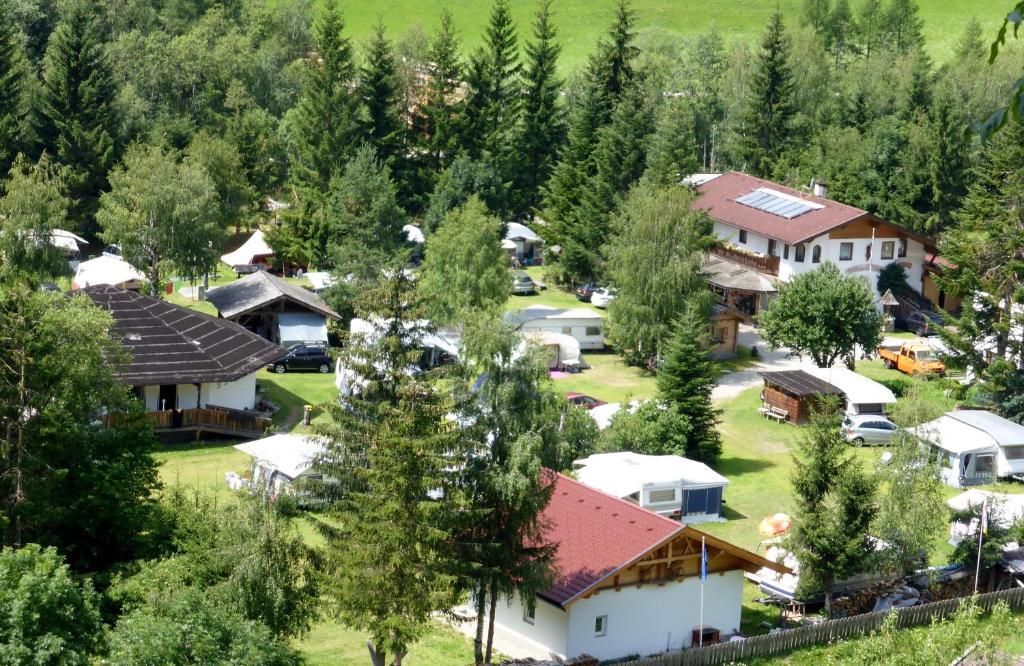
<point x="924" y="355"/>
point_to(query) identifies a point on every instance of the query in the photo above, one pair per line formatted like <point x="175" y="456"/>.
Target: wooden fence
<point x="217" y="419"/>
<point x="825" y="632"/>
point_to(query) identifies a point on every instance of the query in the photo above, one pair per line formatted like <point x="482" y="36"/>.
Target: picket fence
<point x="823" y="633"/>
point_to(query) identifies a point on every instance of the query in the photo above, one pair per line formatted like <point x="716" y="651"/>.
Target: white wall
<point x="652" y="619"/>
<point x="151" y="398"/>
<point x="577" y="328"/>
<point x="239" y="394"/>
<point x="547" y="633"/>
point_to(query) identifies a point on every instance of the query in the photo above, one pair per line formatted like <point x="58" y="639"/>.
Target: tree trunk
<point x="19" y="456"/>
<point x="828" y="603"/>
<point x="376" y="658"/>
<point x="490" y="623"/>
<point x="478" y="640"/>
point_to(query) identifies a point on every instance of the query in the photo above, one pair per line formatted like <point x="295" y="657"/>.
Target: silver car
<point x="868" y="429"/>
<point x="522" y="283"/>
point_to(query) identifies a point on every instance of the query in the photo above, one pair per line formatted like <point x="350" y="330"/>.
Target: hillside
<point x="581" y="22"/>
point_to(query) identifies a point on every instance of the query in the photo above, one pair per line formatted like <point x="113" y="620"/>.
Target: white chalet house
<point x="626" y="581"/>
<point x="773" y="233"/>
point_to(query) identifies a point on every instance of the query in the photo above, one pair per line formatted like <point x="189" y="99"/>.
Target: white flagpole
<point x="703" y="568"/>
<point x="981" y="531"/>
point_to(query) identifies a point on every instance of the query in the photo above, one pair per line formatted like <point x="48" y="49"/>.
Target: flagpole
<point x="981" y="531"/>
<point x="703" y="575"/>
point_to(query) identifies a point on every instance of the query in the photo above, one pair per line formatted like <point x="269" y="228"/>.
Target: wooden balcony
<point x="211" y="419"/>
<point x="758" y="262"/>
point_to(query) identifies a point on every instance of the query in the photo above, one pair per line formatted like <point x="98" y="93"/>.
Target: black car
<point x="303" y="358"/>
<point x="921" y="322"/>
<point x="585" y="291"/>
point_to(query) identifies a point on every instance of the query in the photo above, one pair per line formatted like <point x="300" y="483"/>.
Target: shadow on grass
<point x="730" y="513"/>
<point x="290" y="404"/>
<point x="738" y="466"/>
<point x="753" y="616"/>
<point x="209" y="441"/>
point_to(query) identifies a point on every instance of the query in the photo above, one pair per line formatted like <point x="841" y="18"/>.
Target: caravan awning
<point x="302" y="327"/>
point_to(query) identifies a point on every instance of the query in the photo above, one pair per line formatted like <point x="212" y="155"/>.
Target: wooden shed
<point x="791" y="395"/>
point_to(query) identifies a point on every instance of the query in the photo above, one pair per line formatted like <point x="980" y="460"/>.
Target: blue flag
<point x="703" y="561"/>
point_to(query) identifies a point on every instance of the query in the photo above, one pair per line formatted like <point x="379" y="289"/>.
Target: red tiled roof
<point x="718" y="198"/>
<point x="596" y="534"/>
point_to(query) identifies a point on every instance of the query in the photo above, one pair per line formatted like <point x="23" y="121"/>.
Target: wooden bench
<point x="774" y="413"/>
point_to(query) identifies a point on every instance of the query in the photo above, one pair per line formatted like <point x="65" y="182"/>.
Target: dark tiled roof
<point x="596" y="534"/>
<point x="259" y="289"/>
<point x="170" y="344"/>
<point x="800" y="383"/>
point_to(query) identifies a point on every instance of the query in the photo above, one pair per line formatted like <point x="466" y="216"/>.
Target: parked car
<point x="921" y="322"/>
<point x="585" y="291"/>
<point x="113" y="250"/>
<point x="581" y="400"/>
<point x="870" y="429"/>
<point x="916" y="359"/>
<point x="522" y="283"/>
<point x="307" y="358"/>
<point x="602" y="297"/>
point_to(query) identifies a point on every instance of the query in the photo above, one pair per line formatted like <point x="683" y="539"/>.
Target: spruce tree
<point x="542" y="127"/>
<point x="839" y="30"/>
<point x="12" y="72"/>
<point x="379" y="89"/>
<point x="326" y="119"/>
<point x="870" y="27"/>
<point x="492" y="107"/>
<point x="903" y="25"/>
<point x="949" y="160"/>
<point x="672" y="153"/>
<point x="815" y="14"/>
<point x="76" y="121"/>
<point x="765" y="130"/>
<point x="687" y="377"/>
<point x="619" y="52"/>
<point x="442" y="110"/>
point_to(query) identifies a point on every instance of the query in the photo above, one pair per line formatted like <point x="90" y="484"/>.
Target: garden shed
<point x="792" y="395"/>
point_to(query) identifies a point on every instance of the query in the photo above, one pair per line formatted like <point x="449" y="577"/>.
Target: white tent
<point x="320" y="280"/>
<point x="253" y="251"/>
<point x="565" y="349"/>
<point x="975" y="446"/>
<point x="413" y="234"/>
<point x="863" y="395"/>
<point x="66" y="240"/>
<point x="106" y="269"/>
<point x="279" y="460"/>
<point x="1005" y="509"/>
<point x="669" y="485"/>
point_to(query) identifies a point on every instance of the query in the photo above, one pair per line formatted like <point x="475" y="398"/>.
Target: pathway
<point x="732" y="384"/>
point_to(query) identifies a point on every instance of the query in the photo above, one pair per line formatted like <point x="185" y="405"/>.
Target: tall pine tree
<point x="902" y="26"/>
<point x="379" y="89"/>
<point x="442" y="110"/>
<point x="76" y="121"/>
<point x="672" y="153"/>
<point x="12" y="72"/>
<point x="493" y="78"/>
<point x="949" y="160"/>
<point x="542" y="127"/>
<point x="765" y="122"/>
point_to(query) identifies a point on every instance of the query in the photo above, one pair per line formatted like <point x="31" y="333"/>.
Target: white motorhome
<point x="584" y="324"/>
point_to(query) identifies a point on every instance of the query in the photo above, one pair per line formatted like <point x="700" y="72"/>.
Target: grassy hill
<point x="581" y="22"/>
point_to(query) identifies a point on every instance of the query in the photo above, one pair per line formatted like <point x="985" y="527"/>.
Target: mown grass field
<point x="581" y="23"/>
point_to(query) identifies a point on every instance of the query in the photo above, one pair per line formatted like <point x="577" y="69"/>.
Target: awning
<point x="731" y="275"/>
<point x="302" y="327"/>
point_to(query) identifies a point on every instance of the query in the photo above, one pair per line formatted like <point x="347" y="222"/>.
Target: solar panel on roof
<point x="777" y="203"/>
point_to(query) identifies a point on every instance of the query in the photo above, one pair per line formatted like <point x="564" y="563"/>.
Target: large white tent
<point x="253" y="251"/>
<point x="280" y="459"/>
<point x="974" y="446"/>
<point x="669" y="485"/>
<point x="107" y="269"/>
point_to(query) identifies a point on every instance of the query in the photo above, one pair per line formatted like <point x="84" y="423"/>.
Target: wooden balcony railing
<point x="765" y="264"/>
<point x="213" y="419"/>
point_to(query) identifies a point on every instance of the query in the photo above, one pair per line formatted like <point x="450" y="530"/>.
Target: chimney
<point x="819" y="189"/>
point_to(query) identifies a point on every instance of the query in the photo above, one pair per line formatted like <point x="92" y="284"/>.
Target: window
<point x="529" y="611"/>
<point x="719" y="335"/>
<point x="888" y="248"/>
<point x="816" y="255"/>
<point x="984" y="465"/>
<point x="634" y="497"/>
<point x="903" y="247"/>
<point x="593" y="330"/>
<point x="1014" y="452"/>
<point x="845" y="251"/>
<point x="773" y="248"/>
<point x="785" y="251"/>
<point x="801" y="252"/>
<point x="658" y="496"/>
<point x="867" y="252"/>
<point x="601" y="625"/>
<point x="743" y="236"/>
<point x="567" y="330"/>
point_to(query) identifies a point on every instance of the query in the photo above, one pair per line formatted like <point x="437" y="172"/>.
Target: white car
<point x="600" y="298"/>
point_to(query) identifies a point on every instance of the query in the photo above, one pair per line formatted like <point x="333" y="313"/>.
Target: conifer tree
<point x="903" y="25"/>
<point x="870" y="27"/>
<point x="619" y="53"/>
<point x="379" y="89"/>
<point x="687" y="377"/>
<point x="493" y="104"/>
<point x="970" y="45"/>
<point x="393" y="498"/>
<point x="815" y="14"/>
<point x="672" y="153"/>
<point x="12" y="72"/>
<point x="442" y="111"/>
<point x="542" y="127"/>
<point x="765" y="121"/>
<point x="327" y="114"/>
<point x="839" y="30"/>
<point x="76" y="121"/>
<point x="949" y="160"/>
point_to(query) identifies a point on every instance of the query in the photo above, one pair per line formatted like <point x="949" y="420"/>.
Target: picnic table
<point x="774" y="413"/>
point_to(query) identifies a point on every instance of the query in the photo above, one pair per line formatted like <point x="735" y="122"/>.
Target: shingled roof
<point x="260" y="289"/>
<point x="170" y="344"/>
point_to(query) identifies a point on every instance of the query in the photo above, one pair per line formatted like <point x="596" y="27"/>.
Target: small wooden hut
<point x="792" y="395"/>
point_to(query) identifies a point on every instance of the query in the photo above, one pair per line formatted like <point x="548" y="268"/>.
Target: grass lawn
<point x="609" y="379"/>
<point x="331" y="643"/>
<point x="552" y="296"/>
<point x="580" y="23"/>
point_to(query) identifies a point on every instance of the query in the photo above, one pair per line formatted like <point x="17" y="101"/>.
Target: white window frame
<point x="593" y="330"/>
<point x="529" y="611"/>
<point x="651" y="500"/>
<point x="844" y="245"/>
<point x="888" y="249"/>
<point x="601" y="625"/>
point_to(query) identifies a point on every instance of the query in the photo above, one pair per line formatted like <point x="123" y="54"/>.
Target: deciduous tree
<point x="33" y="206"/>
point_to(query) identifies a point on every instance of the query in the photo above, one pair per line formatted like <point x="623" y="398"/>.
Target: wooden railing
<point x="765" y="264"/>
<point x="825" y="632"/>
<point x="218" y="418"/>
